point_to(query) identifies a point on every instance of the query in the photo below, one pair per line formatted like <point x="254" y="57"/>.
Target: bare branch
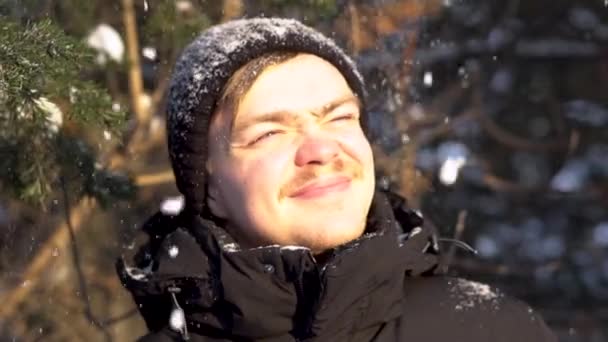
<point x="155" y="178"/>
<point x="232" y="9"/>
<point x="136" y="87"/>
<point x="517" y="142"/>
<point x="120" y="318"/>
<point x="355" y="28"/>
<point x="84" y="292"/>
<point x="540" y="48"/>
<point x="39" y="263"/>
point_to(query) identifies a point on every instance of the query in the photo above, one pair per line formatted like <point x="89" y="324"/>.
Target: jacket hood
<point x="191" y="264"/>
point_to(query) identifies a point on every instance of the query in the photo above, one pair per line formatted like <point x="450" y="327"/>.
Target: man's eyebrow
<point x="285" y="116"/>
<point x="328" y="108"/>
<point x="282" y="117"/>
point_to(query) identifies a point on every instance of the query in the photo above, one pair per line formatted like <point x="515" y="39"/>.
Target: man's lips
<point x="322" y="187"/>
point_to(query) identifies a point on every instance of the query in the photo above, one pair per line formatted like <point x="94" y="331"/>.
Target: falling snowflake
<point x="428" y="79"/>
<point x="149" y="52"/>
<point x="173" y="251"/>
<point x="572" y="177"/>
<point x="448" y="174"/>
<point x="107" y="135"/>
<point x="183" y="6"/>
<point x="600" y="234"/>
<point x="107" y="41"/>
<point x="172" y="205"/>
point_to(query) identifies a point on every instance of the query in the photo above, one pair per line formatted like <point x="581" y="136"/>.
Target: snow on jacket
<point x="191" y="281"/>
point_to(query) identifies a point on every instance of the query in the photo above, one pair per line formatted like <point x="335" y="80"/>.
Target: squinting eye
<point x="344" y="117"/>
<point x="264" y="136"/>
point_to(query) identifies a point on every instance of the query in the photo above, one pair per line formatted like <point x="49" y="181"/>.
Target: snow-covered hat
<point x="206" y="65"/>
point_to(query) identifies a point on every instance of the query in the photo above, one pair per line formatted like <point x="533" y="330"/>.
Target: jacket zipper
<point x="304" y="333"/>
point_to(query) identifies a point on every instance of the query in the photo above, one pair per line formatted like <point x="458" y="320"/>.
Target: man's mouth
<point x="322" y="187"/>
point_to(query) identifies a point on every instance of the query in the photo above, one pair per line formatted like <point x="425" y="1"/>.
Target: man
<point x="283" y="236"/>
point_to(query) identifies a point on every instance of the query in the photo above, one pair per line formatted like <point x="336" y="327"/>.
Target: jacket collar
<point x="275" y="291"/>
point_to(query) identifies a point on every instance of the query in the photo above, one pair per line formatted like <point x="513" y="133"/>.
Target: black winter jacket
<point x="380" y="287"/>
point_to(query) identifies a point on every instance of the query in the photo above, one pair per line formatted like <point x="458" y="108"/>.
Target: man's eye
<point x="264" y="136"/>
<point x="344" y="117"/>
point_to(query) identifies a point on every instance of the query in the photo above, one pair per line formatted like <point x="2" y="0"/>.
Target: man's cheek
<point x="259" y="174"/>
<point x="357" y="147"/>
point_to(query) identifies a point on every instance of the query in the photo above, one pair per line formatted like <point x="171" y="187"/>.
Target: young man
<point x="283" y="236"/>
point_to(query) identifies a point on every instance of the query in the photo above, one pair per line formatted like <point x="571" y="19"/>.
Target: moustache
<point x="312" y="172"/>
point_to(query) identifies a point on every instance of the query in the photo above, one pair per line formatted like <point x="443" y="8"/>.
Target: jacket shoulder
<point x="441" y="308"/>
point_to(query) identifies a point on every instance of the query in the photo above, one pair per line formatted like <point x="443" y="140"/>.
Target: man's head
<point x="266" y="126"/>
<point x="288" y="161"/>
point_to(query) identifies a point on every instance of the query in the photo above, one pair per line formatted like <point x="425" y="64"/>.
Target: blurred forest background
<point x="490" y="115"/>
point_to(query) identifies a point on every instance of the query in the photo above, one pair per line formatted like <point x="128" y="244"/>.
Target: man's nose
<point x="316" y="150"/>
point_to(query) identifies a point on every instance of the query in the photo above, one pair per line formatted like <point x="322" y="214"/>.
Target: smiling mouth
<point x="321" y="188"/>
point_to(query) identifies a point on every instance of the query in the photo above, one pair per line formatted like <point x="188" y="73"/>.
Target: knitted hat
<point x="206" y="65"/>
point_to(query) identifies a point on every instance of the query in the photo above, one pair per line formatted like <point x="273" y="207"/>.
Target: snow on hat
<point x="206" y="65"/>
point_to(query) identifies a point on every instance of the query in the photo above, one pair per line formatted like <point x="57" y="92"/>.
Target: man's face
<point x="295" y="167"/>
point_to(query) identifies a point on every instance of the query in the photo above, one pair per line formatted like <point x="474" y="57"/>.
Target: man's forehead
<point x="317" y="110"/>
<point x="302" y="84"/>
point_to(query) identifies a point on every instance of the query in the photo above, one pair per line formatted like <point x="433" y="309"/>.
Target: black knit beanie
<point x="206" y="65"/>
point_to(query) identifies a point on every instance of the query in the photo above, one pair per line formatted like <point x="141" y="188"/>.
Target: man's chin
<point x="321" y="235"/>
<point x="331" y="242"/>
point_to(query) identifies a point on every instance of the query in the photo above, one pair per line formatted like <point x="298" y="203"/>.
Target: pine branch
<point x="39" y="82"/>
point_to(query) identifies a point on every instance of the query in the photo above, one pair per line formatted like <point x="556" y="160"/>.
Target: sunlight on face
<point x="296" y="168"/>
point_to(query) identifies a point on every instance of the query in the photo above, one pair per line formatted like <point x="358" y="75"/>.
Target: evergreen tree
<point x="49" y="114"/>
